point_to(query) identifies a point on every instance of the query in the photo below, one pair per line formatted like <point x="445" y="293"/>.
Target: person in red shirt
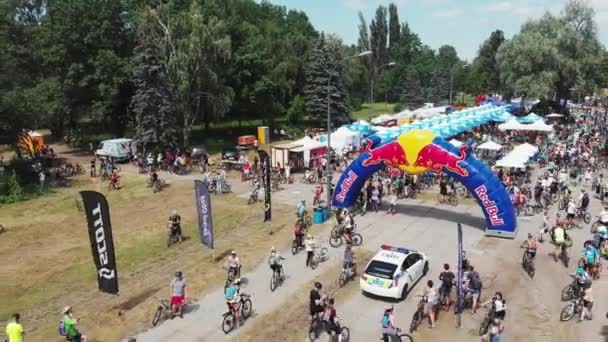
<point x="331" y="317"/>
<point x="298" y="231"/>
<point x="114" y="179"/>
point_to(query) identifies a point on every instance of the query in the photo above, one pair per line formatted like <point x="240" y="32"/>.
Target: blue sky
<point x="461" y="23"/>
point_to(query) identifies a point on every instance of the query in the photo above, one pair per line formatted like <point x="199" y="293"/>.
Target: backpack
<point x="385" y="321"/>
<point x="476" y="281"/>
<point x="61" y="328"/>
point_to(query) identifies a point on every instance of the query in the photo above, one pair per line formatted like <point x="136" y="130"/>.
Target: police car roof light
<point x="396" y="249"/>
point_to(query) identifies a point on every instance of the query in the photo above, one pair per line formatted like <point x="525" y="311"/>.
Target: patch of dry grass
<point x="47" y="263"/>
<point x="290" y="322"/>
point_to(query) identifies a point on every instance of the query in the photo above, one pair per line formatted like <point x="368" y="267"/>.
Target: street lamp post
<point x="371" y="88"/>
<point x="328" y="155"/>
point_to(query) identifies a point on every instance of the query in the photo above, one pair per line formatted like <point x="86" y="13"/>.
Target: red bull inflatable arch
<point x="419" y="151"/>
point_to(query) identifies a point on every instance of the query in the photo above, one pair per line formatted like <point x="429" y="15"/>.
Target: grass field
<point x="372" y="110"/>
<point x="47" y="263"/>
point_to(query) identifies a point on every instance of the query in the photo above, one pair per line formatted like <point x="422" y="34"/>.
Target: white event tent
<point x="518" y="157"/>
<point x="490" y="145"/>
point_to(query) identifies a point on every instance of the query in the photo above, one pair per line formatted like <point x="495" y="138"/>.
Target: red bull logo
<point x="435" y="157"/>
<point x="488" y="205"/>
<point x="391" y="154"/>
<point x="346" y="185"/>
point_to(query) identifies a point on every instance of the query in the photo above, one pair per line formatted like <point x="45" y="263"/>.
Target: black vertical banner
<point x="203" y="207"/>
<point x="460" y="302"/>
<point x="265" y="161"/>
<point x="100" y="233"/>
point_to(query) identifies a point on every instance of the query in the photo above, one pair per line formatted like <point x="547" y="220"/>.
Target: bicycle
<point x="344" y="334"/>
<point x="572" y="308"/>
<point x="244" y="307"/>
<point x="398" y="337"/>
<point x="337" y="230"/>
<point x="298" y="244"/>
<point x="163" y="311"/>
<point x="419" y="315"/>
<point x="305" y="220"/>
<point x="347" y="274"/>
<point x="528" y="263"/>
<point x="355" y="238"/>
<point x="450" y="198"/>
<point x="277" y="277"/>
<point x="563" y="254"/>
<point x="570" y="290"/>
<point x="319" y="255"/>
<point x="485" y="324"/>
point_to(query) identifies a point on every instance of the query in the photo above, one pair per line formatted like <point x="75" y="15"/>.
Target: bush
<point x="15" y="191"/>
<point x="397" y="108"/>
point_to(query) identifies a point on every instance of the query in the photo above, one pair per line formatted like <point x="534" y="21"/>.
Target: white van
<point x="117" y="149"/>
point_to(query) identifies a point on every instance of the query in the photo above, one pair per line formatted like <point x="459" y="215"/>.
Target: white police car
<point x="393" y="271"/>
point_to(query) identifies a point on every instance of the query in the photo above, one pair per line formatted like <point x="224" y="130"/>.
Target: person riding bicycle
<point x="571" y="211"/>
<point x="330" y="316"/>
<point x="388" y="323"/>
<point x="274" y="260"/>
<point x="175" y="224"/>
<point x="583" y="201"/>
<point x="582" y="278"/>
<point x="531" y="245"/>
<point x="232" y="297"/>
<point x="234" y="265"/>
<point x="178" y="294"/>
<point x="447" y="279"/>
<point x="298" y="231"/>
<point x="590" y="256"/>
<point x="559" y="238"/>
<point x="348" y="257"/>
<point x="114" y="177"/>
<point x="153" y="179"/>
<point x="301" y="210"/>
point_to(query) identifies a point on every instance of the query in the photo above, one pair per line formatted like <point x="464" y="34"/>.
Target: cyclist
<point x="447" y="279"/>
<point x="571" y="212"/>
<point x="175" y="224"/>
<point x="559" y="237"/>
<point x="348" y="224"/>
<point x="298" y="231"/>
<point x="583" y="201"/>
<point x="178" y="294"/>
<point x="587" y="302"/>
<point x="301" y="211"/>
<point x="330" y="316"/>
<point x="69" y="326"/>
<point x="234" y="265"/>
<point x="388" y="323"/>
<point x="591" y="257"/>
<point x="317" y="301"/>
<point x="531" y="245"/>
<point x="348" y="258"/>
<point x="432" y="300"/>
<point x="275" y="262"/>
<point x="114" y="179"/>
<point x="232" y="298"/>
<point x="153" y="178"/>
<point x="498" y="304"/>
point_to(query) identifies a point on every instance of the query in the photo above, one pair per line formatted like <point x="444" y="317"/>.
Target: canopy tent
<point x="511" y="162"/>
<point x="518" y="157"/>
<point x="456" y="142"/>
<point x="515" y="125"/>
<point x="540" y="126"/>
<point x="361" y="126"/>
<point x="344" y="137"/>
<point x="555" y="115"/>
<point x="490" y="145"/>
<point x="530" y="118"/>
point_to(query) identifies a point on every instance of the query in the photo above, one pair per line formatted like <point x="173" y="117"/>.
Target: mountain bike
<point x="347" y="274"/>
<point x="319" y="255"/>
<point x="399" y="337"/>
<point x="419" y="315"/>
<point x="355" y="238"/>
<point x="277" y="277"/>
<point x="575" y="306"/>
<point x="163" y="311"/>
<point x="244" y="307"/>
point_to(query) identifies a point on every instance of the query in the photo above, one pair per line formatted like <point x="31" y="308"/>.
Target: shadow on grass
<point x="430" y="210"/>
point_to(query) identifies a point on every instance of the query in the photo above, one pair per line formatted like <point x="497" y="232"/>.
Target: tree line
<point x="158" y="68"/>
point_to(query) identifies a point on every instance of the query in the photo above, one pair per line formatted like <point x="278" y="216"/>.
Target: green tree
<point x="412" y="94"/>
<point x="394" y="29"/>
<point x="363" y="41"/>
<point x="324" y="63"/>
<point x="297" y="111"/>
<point x="152" y="105"/>
<point x="378" y="41"/>
<point x="485" y="66"/>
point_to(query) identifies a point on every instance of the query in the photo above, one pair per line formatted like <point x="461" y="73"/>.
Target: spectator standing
<point x="14" y="329"/>
<point x="93" y="173"/>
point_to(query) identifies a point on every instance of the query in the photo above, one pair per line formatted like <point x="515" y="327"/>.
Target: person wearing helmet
<point x="388" y="323"/>
<point x="274" y="260"/>
<point x="234" y="266"/>
<point x="530" y="245"/>
<point x="177" y="290"/>
<point x="232" y="296"/>
<point x="69" y="326"/>
<point x="301" y="211"/>
<point x="175" y="224"/>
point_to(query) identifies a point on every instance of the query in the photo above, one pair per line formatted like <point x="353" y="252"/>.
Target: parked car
<point x="117" y="149"/>
<point x="231" y="153"/>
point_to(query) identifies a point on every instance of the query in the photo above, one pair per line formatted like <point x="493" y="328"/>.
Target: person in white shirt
<point x="588" y="176"/>
<point x="571" y="210"/>
<point x="309" y="246"/>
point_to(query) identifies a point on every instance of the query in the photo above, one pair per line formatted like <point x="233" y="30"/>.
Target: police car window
<point x="381" y="269"/>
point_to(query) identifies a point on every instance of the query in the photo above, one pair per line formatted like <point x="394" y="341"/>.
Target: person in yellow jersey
<point x="14" y="329"/>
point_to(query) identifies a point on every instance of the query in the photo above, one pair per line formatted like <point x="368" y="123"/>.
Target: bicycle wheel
<point x="323" y="254"/>
<point x="335" y="241"/>
<point x="567" y="312"/>
<point x="157" y="315"/>
<point x="228" y="323"/>
<point x="453" y="201"/>
<point x="247" y="308"/>
<point x="342" y="279"/>
<point x="586" y="217"/>
<point x="405" y="338"/>
<point x="416" y="320"/>
<point x="314" y="262"/>
<point x="461" y="192"/>
<point x="273" y="282"/>
<point x="335" y="231"/>
<point x="357" y="239"/>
